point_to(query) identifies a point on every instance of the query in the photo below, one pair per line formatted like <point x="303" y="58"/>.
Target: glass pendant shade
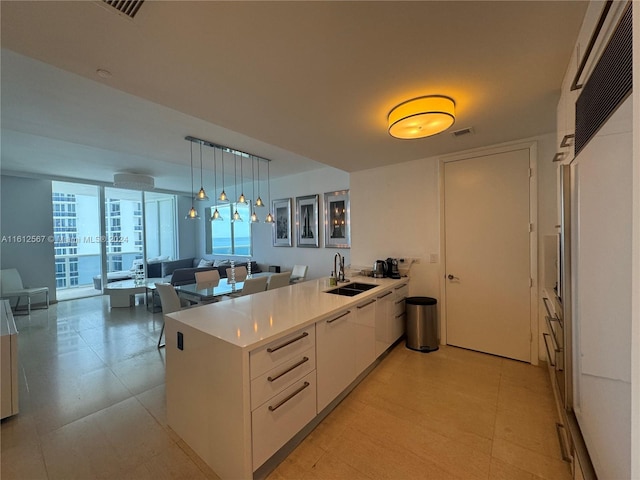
<point x="202" y="195"/>
<point x="237" y="217"/>
<point x="259" y="202"/>
<point x="192" y="215"/>
<point x="242" y="199"/>
<point x="223" y="197"/>
<point x="254" y="217"/>
<point x="216" y="215"/>
<point x="269" y="218"/>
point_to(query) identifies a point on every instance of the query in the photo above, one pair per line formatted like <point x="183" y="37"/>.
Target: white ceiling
<point x="301" y="83"/>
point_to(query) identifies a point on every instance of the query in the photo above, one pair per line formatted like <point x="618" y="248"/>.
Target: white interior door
<point x="487" y="252"/>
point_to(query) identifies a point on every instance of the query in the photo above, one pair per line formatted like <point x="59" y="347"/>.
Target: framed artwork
<point x="282" y="223"/>
<point x="307" y="226"/>
<point x="337" y="222"/>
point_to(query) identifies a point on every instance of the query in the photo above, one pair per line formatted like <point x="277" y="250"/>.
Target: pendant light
<point x="254" y="217"/>
<point x="236" y="215"/>
<point x="202" y="195"/>
<point x="193" y="214"/>
<point x="269" y="218"/>
<point x="241" y="199"/>
<point x="216" y="214"/>
<point x="223" y="196"/>
<point x="259" y="202"/>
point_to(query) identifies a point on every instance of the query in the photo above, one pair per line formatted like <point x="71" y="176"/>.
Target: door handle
<point x="451" y="277"/>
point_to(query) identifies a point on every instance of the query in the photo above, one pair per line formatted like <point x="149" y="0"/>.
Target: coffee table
<point x="122" y="294"/>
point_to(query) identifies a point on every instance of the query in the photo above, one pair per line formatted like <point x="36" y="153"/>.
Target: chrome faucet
<point x="339" y="264"/>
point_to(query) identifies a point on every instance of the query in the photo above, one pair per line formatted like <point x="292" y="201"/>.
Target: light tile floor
<point x="92" y="405"/>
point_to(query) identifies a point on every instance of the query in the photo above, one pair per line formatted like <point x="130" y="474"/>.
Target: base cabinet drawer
<point x="275" y="380"/>
<point x="275" y="422"/>
<point x="281" y="351"/>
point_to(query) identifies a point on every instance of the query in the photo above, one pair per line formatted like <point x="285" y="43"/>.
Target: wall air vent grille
<point x="609" y="84"/>
<point x="462" y="131"/>
<point x="128" y="7"/>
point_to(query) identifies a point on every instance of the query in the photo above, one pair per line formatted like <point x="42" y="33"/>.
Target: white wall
<point x="319" y="260"/>
<point x="26" y="209"/>
<point x="395" y="212"/>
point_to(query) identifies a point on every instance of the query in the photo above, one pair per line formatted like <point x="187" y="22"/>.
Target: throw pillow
<point x="205" y="263"/>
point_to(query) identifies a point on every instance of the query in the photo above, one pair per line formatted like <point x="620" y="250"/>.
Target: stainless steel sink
<point x="363" y="287"/>
<point x="351" y="289"/>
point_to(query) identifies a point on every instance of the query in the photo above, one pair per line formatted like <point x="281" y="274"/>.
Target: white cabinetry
<point x="8" y="362"/>
<point x="283" y="392"/>
<point x="246" y="377"/>
<point x="390" y="321"/>
<point x="384" y="311"/>
<point x="336" y="358"/>
<point x="364" y="322"/>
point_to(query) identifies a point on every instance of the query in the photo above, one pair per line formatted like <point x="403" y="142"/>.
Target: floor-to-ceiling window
<point x="160" y="225"/>
<point x="124" y="230"/>
<point x="133" y="221"/>
<point x="76" y="229"/>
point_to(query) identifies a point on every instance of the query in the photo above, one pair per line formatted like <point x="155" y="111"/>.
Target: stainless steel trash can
<point x="422" y="324"/>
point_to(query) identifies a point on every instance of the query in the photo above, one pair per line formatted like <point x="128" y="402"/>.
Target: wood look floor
<point x="92" y="405"/>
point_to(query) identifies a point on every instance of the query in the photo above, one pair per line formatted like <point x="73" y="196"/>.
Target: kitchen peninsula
<point x="248" y="376"/>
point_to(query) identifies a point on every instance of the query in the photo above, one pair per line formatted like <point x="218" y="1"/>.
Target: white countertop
<point x="251" y="321"/>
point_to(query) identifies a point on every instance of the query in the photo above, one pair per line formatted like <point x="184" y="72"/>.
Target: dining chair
<point x="254" y="285"/>
<point x="299" y="273"/>
<point x="11" y="286"/>
<point x="241" y="274"/>
<point x="279" y="280"/>
<point x="207" y="279"/>
<point x="170" y="302"/>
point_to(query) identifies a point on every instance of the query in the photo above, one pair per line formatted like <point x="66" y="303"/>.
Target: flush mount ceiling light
<point x="421" y="117"/>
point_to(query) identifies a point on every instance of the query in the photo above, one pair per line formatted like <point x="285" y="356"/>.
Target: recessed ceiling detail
<point x="128" y="7"/>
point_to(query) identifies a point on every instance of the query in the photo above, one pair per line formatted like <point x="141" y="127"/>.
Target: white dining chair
<point x="170" y="302"/>
<point x="278" y="280"/>
<point x="254" y="285"/>
<point x="207" y="279"/>
<point x="240" y="275"/>
<point x="299" y="273"/>
<point x="11" y="286"/>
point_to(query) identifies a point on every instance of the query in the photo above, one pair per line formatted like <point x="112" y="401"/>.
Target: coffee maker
<point x="392" y="268"/>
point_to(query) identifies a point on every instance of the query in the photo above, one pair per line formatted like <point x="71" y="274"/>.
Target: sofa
<point x="177" y="272"/>
<point x="187" y="275"/>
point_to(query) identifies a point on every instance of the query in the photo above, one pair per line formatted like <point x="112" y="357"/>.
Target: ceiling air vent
<point x="128" y="7"/>
<point x="462" y="131"/>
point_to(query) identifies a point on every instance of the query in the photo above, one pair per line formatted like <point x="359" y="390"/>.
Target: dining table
<point x="225" y="287"/>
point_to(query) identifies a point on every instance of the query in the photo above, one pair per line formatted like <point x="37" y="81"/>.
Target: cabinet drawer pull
<point x="401" y="315"/>
<point x="382" y="296"/>
<point x="293" y="340"/>
<point x="273" y="408"/>
<point x="366" y="304"/>
<point x="566" y="140"/>
<point x="399" y="301"/>
<point x="554" y="339"/>
<point x="558" y="156"/>
<point x="292" y="367"/>
<point x="545" y="300"/>
<point x="401" y="286"/>
<point x="339" y="316"/>
<point x="546" y="346"/>
<point x="563" y="449"/>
